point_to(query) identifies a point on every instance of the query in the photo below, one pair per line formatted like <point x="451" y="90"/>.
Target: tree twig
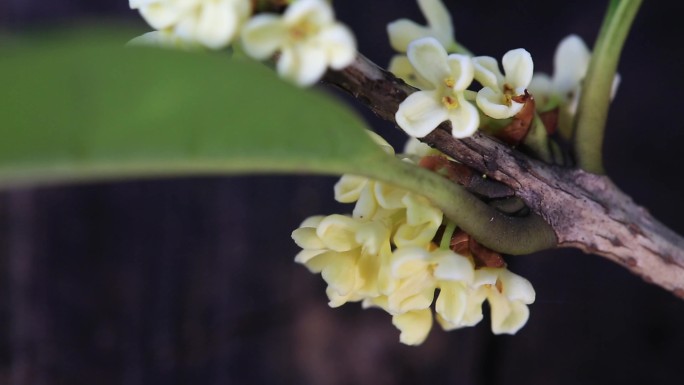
<point x="585" y="211"/>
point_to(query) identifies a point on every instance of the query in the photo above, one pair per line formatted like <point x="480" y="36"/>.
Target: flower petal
<point x="367" y="205"/>
<point x="402" y="68"/>
<point x="570" y="64"/>
<point x="465" y="119"/>
<point x="263" y="35"/>
<point x="429" y="59"/>
<point x="451" y="303"/>
<point x="315" y="12"/>
<point x="507" y="316"/>
<point x="439" y="20"/>
<point x="461" y="67"/>
<point x="304" y="256"/>
<point x="306" y="238"/>
<point x="337" y="232"/>
<point x="161" y="15"/>
<point x="420" y="113"/>
<point x="389" y="196"/>
<point x="217" y="24"/>
<point x="416" y="147"/>
<point x="452" y="267"/>
<point x="516" y="288"/>
<point x="490" y="102"/>
<point x="339" y="271"/>
<point x="414" y="235"/>
<point x="414" y="326"/>
<point x="340" y="45"/>
<point x="541" y="88"/>
<point x="519" y="68"/>
<point x="403" y="31"/>
<point x="408" y="261"/>
<point x="487" y="72"/>
<point x="419" y="211"/>
<point x="380" y="141"/>
<point x="302" y="65"/>
<point x="348" y="188"/>
<point x="372" y="236"/>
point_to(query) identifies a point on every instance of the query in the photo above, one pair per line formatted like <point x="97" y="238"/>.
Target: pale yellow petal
<point x="439" y="20"/>
<point x="451" y="303"/>
<point x="348" y="188"/>
<point x="340" y="45"/>
<point x="452" y="267"/>
<point x="429" y="59"/>
<point x="338" y="232"/>
<point x="263" y="35"/>
<point x="306" y="238"/>
<point x="462" y="71"/>
<point x="303" y="65"/>
<point x="492" y="104"/>
<point x="408" y="261"/>
<point x="420" y="113"/>
<point x="402" y="68"/>
<point x="507" y="316"/>
<point x="414" y="326"/>
<point x="487" y="72"/>
<point x="403" y="31"/>
<point x="518" y="66"/>
<point x="570" y="64"/>
<point x="465" y="119"/>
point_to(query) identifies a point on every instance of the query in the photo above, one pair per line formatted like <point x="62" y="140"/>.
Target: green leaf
<point x="82" y="106"/>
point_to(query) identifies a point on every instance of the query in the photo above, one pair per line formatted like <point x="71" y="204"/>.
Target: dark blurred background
<point x="191" y="281"/>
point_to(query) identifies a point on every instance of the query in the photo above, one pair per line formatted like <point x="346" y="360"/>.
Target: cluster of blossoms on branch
<point x="394" y="252"/>
<point x="431" y="60"/>
<point x="306" y="37"/>
<point x="385" y="255"/>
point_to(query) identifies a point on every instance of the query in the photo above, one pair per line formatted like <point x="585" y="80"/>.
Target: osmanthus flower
<point x="448" y="77"/>
<point x="211" y="23"/>
<point x="508" y="295"/>
<point x="385" y="256"/>
<point x="418" y="273"/>
<point x="402" y="32"/>
<point x="348" y="253"/>
<point x="570" y="63"/>
<point x="439" y="26"/>
<point x="306" y="35"/>
<point x="497" y="96"/>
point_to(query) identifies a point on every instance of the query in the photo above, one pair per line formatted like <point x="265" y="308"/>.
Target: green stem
<point x="445" y="243"/>
<point x="594" y="102"/>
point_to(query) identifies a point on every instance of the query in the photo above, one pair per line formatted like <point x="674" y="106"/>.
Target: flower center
<point x="449" y="102"/>
<point x="450" y="82"/>
<point x="508" y="94"/>
<point x="302" y="30"/>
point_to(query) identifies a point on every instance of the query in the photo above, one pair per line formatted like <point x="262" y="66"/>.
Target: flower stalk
<point x="594" y="102"/>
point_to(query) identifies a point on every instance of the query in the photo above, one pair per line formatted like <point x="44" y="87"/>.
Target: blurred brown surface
<point x="192" y="282"/>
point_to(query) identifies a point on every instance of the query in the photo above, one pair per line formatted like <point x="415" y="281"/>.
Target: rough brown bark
<point x="585" y="211"/>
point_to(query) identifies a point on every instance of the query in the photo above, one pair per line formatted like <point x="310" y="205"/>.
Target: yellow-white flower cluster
<point x="383" y="255"/>
<point x="444" y="78"/>
<point x="306" y="35"/>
